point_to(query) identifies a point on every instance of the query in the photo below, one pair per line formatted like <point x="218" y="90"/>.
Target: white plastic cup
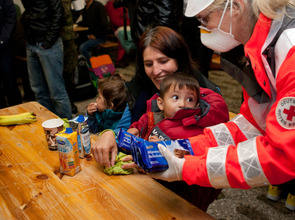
<point x="51" y="127"/>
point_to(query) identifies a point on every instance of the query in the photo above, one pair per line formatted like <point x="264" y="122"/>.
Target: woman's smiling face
<point x="157" y="65"/>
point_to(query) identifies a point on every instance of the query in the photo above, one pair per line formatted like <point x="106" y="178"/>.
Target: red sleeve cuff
<point x="195" y="171"/>
<point x="201" y="143"/>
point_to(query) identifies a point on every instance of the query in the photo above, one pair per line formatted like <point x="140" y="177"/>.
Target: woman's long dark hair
<point x="171" y="44"/>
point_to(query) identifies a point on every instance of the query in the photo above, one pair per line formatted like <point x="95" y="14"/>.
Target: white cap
<point x="194" y="7"/>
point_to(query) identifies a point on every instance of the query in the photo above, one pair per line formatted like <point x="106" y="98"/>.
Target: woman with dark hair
<point x="172" y="45"/>
<point x="161" y="52"/>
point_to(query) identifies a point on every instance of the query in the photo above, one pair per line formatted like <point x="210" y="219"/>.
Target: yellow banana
<point x="22" y="118"/>
<point x="17" y="115"/>
<point x="16" y="121"/>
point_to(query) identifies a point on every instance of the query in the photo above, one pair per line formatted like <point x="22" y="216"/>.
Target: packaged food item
<point x="147" y="155"/>
<point x="68" y="152"/>
<point x="117" y="169"/>
<point x="83" y="135"/>
<point x="51" y="127"/>
<point x="124" y="140"/>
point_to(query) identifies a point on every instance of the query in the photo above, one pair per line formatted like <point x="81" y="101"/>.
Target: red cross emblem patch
<point x="285" y="112"/>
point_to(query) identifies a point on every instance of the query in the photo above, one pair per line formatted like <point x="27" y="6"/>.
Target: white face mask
<point x="218" y="40"/>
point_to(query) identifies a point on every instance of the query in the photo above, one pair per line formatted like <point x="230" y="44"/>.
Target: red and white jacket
<point x="257" y="147"/>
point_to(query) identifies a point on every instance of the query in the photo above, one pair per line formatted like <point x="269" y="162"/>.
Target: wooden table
<point x="79" y="28"/>
<point x="31" y="186"/>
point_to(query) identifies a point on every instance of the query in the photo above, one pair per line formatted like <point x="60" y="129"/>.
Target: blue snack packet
<point x="124" y="140"/>
<point x="134" y="151"/>
<point x="180" y="145"/>
<point x="152" y="159"/>
<point x="147" y="155"/>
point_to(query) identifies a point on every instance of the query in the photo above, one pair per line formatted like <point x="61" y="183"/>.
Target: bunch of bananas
<point x="18" y="119"/>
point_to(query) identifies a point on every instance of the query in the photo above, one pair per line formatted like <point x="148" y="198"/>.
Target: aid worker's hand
<point x="174" y="171"/>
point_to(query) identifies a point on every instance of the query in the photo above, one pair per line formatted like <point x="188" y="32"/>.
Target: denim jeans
<point x="87" y="46"/>
<point x="45" y="67"/>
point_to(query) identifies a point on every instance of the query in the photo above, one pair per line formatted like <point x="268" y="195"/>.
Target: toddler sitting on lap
<point x="182" y="110"/>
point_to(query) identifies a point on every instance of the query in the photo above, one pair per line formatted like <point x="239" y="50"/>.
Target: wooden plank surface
<point x="31" y="186"/>
<point x="77" y="28"/>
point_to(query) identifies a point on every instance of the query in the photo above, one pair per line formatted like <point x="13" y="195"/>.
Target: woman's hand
<point x="104" y="150"/>
<point x="91" y="108"/>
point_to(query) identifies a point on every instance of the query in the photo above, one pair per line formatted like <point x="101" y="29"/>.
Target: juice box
<point x="83" y="135"/>
<point x="68" y="152"/>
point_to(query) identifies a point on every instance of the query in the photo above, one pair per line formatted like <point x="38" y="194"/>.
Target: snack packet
<point x="68" y="152"/>
<point x="116" y="169"/>
<point x="147" y="155"/>
<point x="124" y="140"/>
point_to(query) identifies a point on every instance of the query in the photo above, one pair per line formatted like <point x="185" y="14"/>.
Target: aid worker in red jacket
<point x="257" y="147"/>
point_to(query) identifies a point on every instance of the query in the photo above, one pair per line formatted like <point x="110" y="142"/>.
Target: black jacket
<point x="7" y="21"/>
<point x="95" y="18"/>
<point x="149" y="13"/>
<point x="43" y="20"/>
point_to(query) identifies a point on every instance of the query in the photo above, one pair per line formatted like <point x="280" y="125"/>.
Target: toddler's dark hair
<point x="180" y="80"/>
<point x="114" y="91"/>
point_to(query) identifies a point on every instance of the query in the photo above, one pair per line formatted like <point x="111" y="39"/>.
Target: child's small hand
<point x="91" y="108"/>
<point x="133" y="131"/>
<point x="154" y="138"/>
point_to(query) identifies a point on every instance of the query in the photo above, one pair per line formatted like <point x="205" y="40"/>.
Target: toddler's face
<point x="176" y="99"/>
<point x="101" y="104"/>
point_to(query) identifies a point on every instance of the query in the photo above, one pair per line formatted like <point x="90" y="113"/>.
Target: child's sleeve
<point x="125" y="121"/>
<point x="93" y="124"/>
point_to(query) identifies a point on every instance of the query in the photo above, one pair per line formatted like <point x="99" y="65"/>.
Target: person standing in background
<point x="43" y="20"/>
<point x="149" y="14"/>
<point x="95" y="18"/>
<point x="70" y="48"/>
<point x="117" y="18"/>
<point x="8" y="86"/>
<point x="201" y="54"/>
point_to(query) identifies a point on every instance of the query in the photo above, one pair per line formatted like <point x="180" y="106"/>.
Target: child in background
<point x="110" y="103"/>
<point x="179" y="112"/>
